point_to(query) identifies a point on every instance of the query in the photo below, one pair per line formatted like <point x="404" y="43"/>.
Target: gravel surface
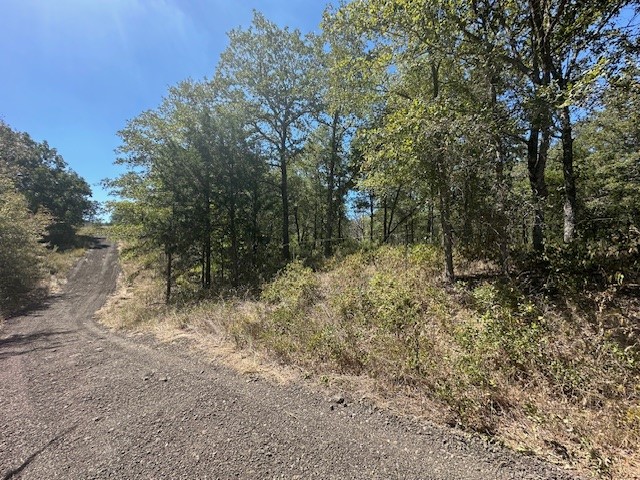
<point x="80" y="402"/>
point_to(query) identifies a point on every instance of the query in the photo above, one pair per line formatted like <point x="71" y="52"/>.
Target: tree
<point x="607" y="149"/>
<point x="193" y="186"/>
<point x="161" y="198"/>
<point x="420" y="130"/>
<point x="558" y="48"/>
<point x="268" y="72"/>
<point x="38" y="195"/>
<point x="21" y="255"/>
<point x="47" y="183"/>
<point x="585" y="40"/>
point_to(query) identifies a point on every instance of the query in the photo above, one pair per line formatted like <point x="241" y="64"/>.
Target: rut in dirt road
<point x="79" y="402"/>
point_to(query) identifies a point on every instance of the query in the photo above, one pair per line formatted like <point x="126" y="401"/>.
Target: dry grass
<point x="59" y="264"/>
<point x="138" y="306"/>
<point x="556" y="379"/>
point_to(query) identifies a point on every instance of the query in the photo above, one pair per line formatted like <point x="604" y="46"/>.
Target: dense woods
<point x="502" y="132"/>
<point x="42" y="201"/>
<point x="436" y="201"/>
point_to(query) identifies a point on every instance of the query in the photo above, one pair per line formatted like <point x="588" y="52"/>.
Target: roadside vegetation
<point x="440" y="197"/>
<point x="552" y="372"/>
<point x="42" y="203"/>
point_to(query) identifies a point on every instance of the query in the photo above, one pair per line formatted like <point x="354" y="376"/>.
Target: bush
<point x="532" y="369"/>
<point x="391" y="303"/>
<point x="294" y="287"/>
<point x="21" y="255"/>
<point x="587" y="263"/>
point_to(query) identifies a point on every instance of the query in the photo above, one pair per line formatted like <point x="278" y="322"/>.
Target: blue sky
<point x="74" y="71"/>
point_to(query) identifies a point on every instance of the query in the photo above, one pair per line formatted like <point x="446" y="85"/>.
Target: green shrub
<point x="294" y="287"/>
<point x="391" y="303"/>
<point x="508" y="335"/>
<point x="22" y="257"/>
<point x="426" y="256"/>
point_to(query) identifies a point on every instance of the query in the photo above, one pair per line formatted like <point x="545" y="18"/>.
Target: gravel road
<point x="80" y="402"/>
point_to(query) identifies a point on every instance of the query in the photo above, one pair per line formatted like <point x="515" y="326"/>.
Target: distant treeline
<point x="41" y="203"/>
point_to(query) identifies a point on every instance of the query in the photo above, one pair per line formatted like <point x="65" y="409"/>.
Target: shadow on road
<point x="15" y="471"/>
<point x="81" y="241"/>
<point x="38" y="304"/>
<point x="96" y="243"/>
<point x="41" y="299"/>
<point x="19" y="344"/>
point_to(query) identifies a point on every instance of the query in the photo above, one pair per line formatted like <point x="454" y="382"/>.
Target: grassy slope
<point x="555" y="377"/>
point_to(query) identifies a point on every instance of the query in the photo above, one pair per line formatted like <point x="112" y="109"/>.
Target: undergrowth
<point x="46" y="275"/>
<point x="558" y="376"/>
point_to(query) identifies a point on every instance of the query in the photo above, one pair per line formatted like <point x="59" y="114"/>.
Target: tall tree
<point x="558" y="48"/>
<point x="40" y="199"/>
<point x="269" y="72"/>
<point x="421" y="129"/>
<point x="193" y="184"/>
<point x="608" y="155"/>
<point x="586" y="38"/>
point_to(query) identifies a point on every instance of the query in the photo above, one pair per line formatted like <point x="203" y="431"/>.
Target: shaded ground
<point x="77" y="401"/>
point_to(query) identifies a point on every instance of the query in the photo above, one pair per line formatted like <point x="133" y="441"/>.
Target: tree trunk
<point x="340" y="213"/>
<point x="284" y="193"/>
<point x="430" y="222"/>
<point x="569" y="177"/>
<point x="255" y="231"/>
<point x="384" y="219"/>
<point x="221" y="245"/>
<point x="297" y="222"/>
<point x="339" y="238"/>
<point x="315" y="227"/>
<point x="444" y="196"/>
<point x="541" y="125"/>
<point x="234" y="244"/>
<point x="207" y="261"/>
<point x="467" y="199"/>
<point x="392" y="213"/>
<point x="371" y="212"/>
<point x="202" y="262"/>
<point x="412" y="230"/>
<point x="207" y="236"/>
<point x="502" y="226"/>
<point x="333" y="160"/>
<point x="447" y="231"/>
<point x="536" y="161"/>
<point x="503" y="219"/>
<point x="167" y="295"/>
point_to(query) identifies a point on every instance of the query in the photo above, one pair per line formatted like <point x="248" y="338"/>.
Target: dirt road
<point x="79" y="402"/>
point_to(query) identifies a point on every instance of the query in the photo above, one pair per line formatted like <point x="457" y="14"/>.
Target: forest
<point x="443" y="197"/>
<point x="505" y="133"/>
